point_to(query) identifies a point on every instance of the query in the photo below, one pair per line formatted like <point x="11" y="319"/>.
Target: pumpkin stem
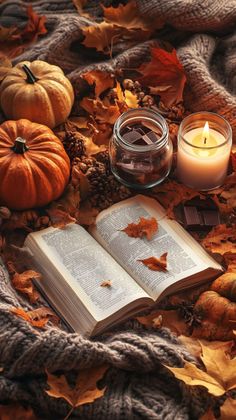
<point x="20" y="146"/>
<point x="30" y="76"/>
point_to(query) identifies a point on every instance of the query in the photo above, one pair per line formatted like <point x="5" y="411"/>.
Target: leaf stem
<point x="68" y="415"/>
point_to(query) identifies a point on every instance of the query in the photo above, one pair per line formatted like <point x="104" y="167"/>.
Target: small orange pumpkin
<point x="34" y="167"/>
<point x="37" y="91"/>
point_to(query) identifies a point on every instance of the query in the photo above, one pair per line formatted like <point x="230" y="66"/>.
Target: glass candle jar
<point x="140" y="149"/>
<point x="204" y="145"/>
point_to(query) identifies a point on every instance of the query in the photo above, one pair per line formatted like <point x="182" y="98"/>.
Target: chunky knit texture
<point x="138" y="386"/>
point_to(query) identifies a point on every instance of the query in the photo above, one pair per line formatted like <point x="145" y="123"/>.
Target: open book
<point x="75" y="263"/>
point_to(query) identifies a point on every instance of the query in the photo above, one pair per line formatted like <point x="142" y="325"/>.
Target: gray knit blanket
<point x="138" y="385"/>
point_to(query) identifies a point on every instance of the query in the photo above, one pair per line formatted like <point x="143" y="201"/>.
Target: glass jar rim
<point x="141" y="148"/>
<point x="210" y="114"/>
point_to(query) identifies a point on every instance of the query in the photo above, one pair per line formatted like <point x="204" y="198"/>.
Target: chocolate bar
<point x="198" y="217"/>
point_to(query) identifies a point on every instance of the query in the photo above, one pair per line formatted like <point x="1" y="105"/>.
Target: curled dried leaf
<point x="23" y="282"/>
<point x="156" y="264"/>
<point x="37" y="317"/>
<point x="106" y="283"/>
<point x="145" y="227"/>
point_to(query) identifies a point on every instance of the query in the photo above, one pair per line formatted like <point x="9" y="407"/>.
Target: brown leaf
<point x="79" y="4"/>
<point x="164" y="70"/>
<point x="37" y="317"/>
<point x="16" y="412"/>
<point x="208" y="415"/>
<point x="221" y="239"/>
<point x="23" y="282"/>
<point x="170" y="319"/>
<point x="220" y="375"/>
<point x="85" y="390"/>
<point x="156" y="264"/>
<point x="228" y="409"/>
<point x="106" y="283"/>
<point x="13" y="40"/>
<point x="101" y="80"/>
<point x="59" y="218"/>
<point x="145" y="227"/>
<point x="102" y="113"/>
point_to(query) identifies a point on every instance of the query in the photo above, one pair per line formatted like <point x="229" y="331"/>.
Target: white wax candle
<point x="202" y="167"/>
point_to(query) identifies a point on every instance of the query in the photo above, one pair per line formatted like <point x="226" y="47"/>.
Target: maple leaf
<point x="164" y="70"/>
<point x="101" y="80"/>
<point x="145" y="227"/>
<point x="16" y="412"/>
<point x="101" y="112"/>
<point x="221" y="239"/>
<point x="228" y="409"/>
<point x="37" y="317"/>
<point x="220" y="375"/>
<point x="13" y="40"/>
<point x="156" y="264"/>
<point x="23" y="282"/>
<point x="162" y="318"/>
<point x="106" y="283"/>
<point x="59" y="218"/>
<point x="85" y="390"/>
<point x="128" y="17"/>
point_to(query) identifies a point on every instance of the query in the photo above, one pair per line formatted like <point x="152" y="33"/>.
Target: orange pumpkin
<point x="34" y="167"/>
<point x="37" y="91"/>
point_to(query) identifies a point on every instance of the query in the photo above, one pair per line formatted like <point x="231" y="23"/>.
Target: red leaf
<point x="164" y="70"/>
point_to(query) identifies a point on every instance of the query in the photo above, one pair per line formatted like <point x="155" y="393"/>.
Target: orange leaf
<point x="221" y="239"/>
<point x="228" y="409"/>
<point x="164" y="70"/>
<point x="145" y="227"/>
<point x="38" y="317"/>
<point x="13" y="40"/>
<point x="79" y="4"/>
<point x="101" y="112"/>
<point x="156" y="264"/>
<point x="170" y="319"/>
<point x="85" y="390"/>
<point x="106" y="283"/>
<point x="100" y="79"/>
<point x="23" y="282"/>
<point x="60" y="218"/>
<point x="16" y="412"/>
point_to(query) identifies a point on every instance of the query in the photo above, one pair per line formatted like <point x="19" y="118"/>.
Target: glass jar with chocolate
<point x="140" y="149"/>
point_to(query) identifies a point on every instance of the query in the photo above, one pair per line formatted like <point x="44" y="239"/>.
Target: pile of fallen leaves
<point x="101" y="96"/>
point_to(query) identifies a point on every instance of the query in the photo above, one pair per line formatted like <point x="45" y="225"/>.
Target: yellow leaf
<point x="220" y="375"/>
<point x="228" y="410"/>
<point x="85" y="390"/>
<point x="131" y="99"/>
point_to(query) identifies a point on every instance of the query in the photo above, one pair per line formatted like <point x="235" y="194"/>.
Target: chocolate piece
<point x="132" y="136"/>
<point x="192" y="217"/>
<point x="136" y="167"/>
<point x="151" y="136"/>
<point x="211" y="217"/>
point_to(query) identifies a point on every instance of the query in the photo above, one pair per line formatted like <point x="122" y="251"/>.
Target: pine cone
<point x="74" y="145"/>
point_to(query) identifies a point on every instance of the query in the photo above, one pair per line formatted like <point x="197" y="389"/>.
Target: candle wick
<point x="205" y="140"/>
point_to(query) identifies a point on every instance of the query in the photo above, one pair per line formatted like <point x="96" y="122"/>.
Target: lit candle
<point x="204" y="144"/>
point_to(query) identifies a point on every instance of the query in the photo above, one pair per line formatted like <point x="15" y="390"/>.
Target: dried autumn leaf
<point x="228" y="409"/>
<point x="170" y="194"/>
<point x="101" y="80"/>
<point x="145" y="227"/>
<point x="85" y="390"/>
<point x="13" y="41"/>
<point x="16" y="412"/>
<point x="225" y="196"/>
<point x="59" y="218"/>
<point x="102" y="113"/>
<point x="79" y="4"/>
<point x="128" y="17"/>
<point x="164" y="70"/>
<point x="221" y="239"/>
<point x="156" y="264"/>
<point x="170" y="319"/>
<point x="208" y="415"/>
<point x="37" y="317"/>
<point x="86" y="214"/>
<point x="106" y="283"/>
<point x="131" y="99"/>
<point x="220" y="375"/>
<point x="23" y="282"/>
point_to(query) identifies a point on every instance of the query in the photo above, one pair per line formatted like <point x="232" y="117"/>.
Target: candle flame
<point x="205" y="133"/>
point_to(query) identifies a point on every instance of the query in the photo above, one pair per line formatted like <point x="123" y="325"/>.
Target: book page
<point x="84" y="264"/>
<point x="185" y="256"/>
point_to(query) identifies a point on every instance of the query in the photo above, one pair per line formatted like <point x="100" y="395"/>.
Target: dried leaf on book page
<point x="106" y="283"/>
<point x="156" y="264"/>
<point x="145" y="227"/>
<point x="220" y="375"/>
<point x="85" y="390"/>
